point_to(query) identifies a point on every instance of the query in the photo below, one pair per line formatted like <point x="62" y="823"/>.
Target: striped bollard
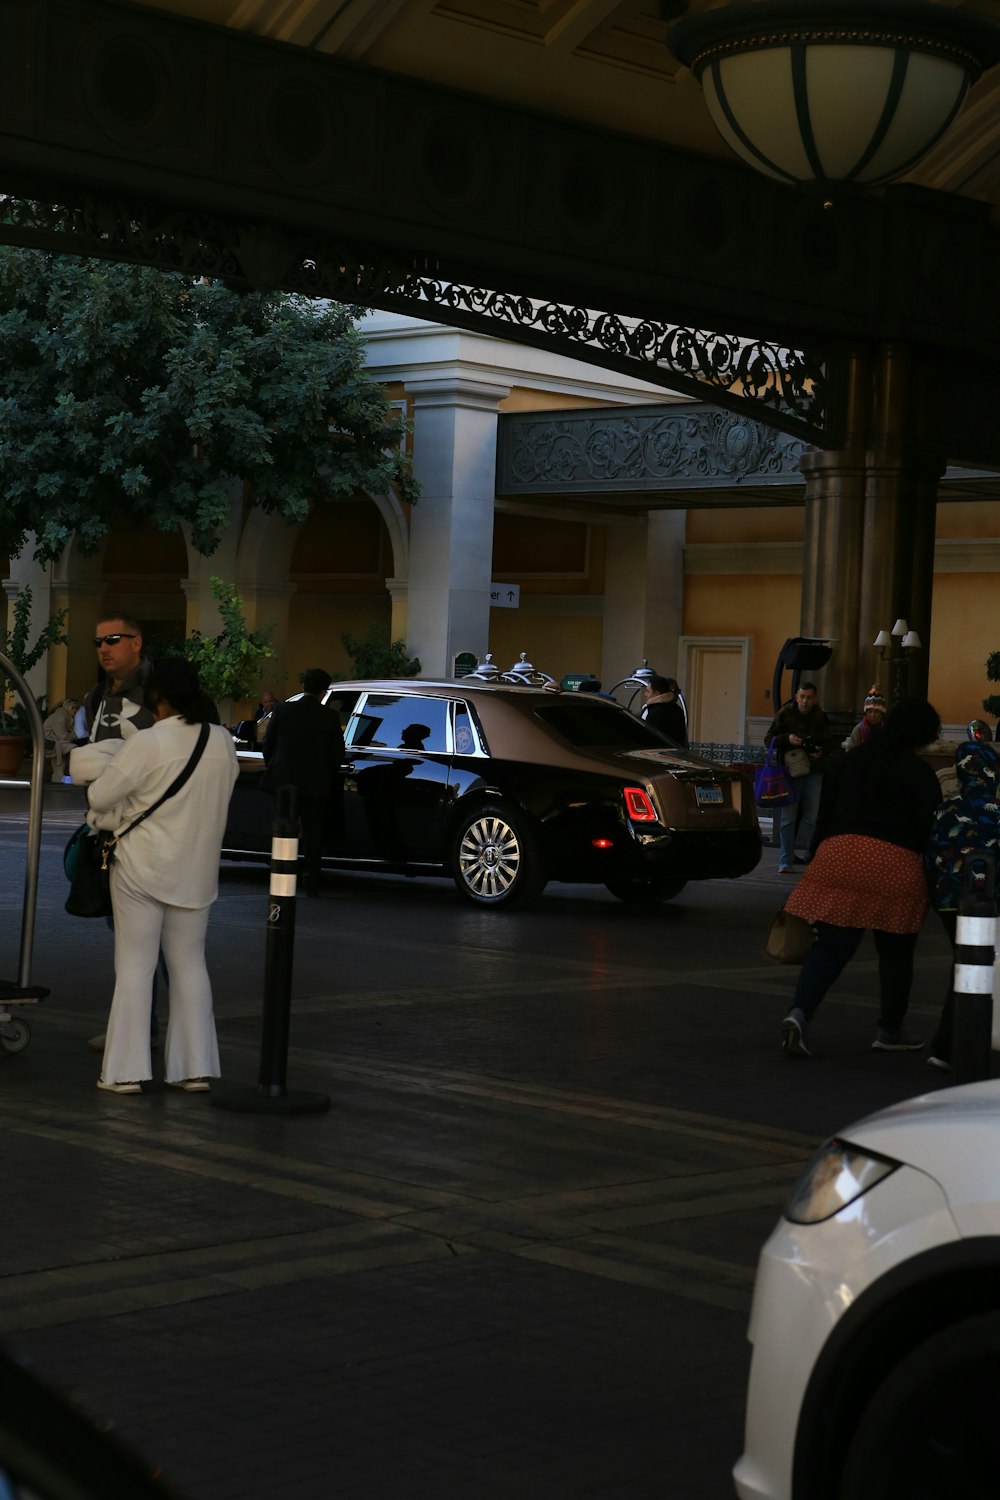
<point x="271" y="1095"/>
<point x="975" y="952"/>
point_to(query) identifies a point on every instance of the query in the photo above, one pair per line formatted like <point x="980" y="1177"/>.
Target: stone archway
<point x="328" y="574"/>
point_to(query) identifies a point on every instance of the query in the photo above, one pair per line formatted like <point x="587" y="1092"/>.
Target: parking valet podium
<point x="271" y="1096"/>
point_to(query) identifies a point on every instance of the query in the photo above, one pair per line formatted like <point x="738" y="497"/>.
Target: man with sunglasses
<point x="115" y="710"/>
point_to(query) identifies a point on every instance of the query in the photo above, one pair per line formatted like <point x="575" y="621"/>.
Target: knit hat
<point x="876" y="698"/>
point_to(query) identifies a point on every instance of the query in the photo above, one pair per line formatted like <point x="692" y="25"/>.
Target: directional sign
<point x="505" y="595"/>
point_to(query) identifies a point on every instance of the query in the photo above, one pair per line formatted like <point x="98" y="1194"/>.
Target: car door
<point x="396" y="787"/>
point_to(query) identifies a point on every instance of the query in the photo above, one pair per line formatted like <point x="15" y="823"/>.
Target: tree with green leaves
<point x="230" y="664"/>
<point x="132" y="390"/>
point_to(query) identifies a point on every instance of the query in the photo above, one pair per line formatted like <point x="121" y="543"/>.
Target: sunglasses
<point x="112" y="640"/>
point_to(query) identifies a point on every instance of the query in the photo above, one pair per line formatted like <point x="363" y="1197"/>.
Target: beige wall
<point x="966" y="621"/>
<point x="555" y="562"/>
<point x="966" y="628"/>
<point x="763" y="608"/>
<point x="754" y="523"/>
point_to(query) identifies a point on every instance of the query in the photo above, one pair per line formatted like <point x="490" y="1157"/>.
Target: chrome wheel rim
<point x="489" y="858"/>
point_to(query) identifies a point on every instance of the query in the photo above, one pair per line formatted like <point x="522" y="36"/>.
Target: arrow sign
<point x="505" y="595"/>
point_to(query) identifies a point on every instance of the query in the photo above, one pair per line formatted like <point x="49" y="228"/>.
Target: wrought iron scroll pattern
<point x="782" y="380"/>
<point x="590" y="452"/>
<point x="739" y="372"/>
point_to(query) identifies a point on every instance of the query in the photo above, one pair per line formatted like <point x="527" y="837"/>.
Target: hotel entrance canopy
<point x="548" y="170"/>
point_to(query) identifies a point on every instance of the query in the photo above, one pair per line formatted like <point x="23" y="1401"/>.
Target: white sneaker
<point x="793" y="1034"/>
<point x="119" y="1088"/>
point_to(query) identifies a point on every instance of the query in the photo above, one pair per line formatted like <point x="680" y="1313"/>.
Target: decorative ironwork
<point x="739" y="371"/>
<point x="641" y="448"/>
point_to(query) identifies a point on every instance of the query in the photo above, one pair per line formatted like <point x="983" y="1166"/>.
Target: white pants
<point x="142" y="925"/>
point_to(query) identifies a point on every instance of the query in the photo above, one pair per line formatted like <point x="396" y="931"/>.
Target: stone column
<point x="870" y="517"/>
<point x="451" y="532"/>
<point x="643" y="594"/>
<point x="904" y="465"/>
<point x="398" y="589"/>
<point x="831" y="558"/>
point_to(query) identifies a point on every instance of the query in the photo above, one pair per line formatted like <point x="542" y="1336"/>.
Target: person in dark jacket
<point x="304" y="748"/>
<point x="868" y="871"/>
<point x="663" y="709"/>
<point x="802" y="727"/>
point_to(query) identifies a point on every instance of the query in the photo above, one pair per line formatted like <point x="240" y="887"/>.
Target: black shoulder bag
<point x="88" y="855"/>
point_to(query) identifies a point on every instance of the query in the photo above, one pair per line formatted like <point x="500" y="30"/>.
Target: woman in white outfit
<point x="164" y="879"/>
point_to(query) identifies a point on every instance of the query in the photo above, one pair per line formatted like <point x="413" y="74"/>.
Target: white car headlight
<point x="837" y="1175"/>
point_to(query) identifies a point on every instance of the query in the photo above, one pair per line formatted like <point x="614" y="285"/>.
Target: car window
<point x="404" y="723"/>
<point x="343" y="701"/>
<point x="468" y="738"/>
<point x="586" y="725"/>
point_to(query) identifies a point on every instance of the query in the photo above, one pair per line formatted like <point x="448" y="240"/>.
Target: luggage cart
<point x="628" y="692"/>
<point x="15" y="1033"/>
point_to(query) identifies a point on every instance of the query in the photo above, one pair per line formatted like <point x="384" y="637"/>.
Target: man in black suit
<point x="304" y="748"/>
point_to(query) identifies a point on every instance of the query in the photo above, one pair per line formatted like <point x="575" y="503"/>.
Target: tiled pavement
<point x="514" y="1259"/>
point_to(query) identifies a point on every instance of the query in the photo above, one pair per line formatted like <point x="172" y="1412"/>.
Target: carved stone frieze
<point x="653" y="448"/>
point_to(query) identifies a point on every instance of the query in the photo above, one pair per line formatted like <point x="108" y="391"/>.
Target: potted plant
<point x="15" y="728"/>
<point x="374" y="655"/>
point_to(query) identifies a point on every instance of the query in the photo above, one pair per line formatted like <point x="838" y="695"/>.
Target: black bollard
<point x="271" y="1095"/>
<point x="975" y="951"/>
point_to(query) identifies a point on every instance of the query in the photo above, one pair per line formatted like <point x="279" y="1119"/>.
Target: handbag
<point x="772" y="785"/>
<point x="789" y="938"/>
<point x="797" y="762"/>
<point x="88" y="856"/>
<point x="85" y="860"/>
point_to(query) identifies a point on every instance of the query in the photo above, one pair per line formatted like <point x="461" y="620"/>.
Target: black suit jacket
<point x="303" y="747"/>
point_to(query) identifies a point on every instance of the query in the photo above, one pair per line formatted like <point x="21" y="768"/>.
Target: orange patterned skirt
<point x="860" y="882"/>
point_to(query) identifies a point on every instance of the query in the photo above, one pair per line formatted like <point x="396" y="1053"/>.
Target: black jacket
<point x="303" y="747"/>
<point x="881" y="793"/>
<point x="668" y="718"/>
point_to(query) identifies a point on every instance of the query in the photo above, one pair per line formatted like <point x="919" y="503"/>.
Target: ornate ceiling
<point x="603" y="62"/>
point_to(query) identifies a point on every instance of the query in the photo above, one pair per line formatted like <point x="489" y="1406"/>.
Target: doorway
<point x="714" y="676"/>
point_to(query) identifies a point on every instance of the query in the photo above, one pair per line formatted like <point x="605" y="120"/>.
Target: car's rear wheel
<point x="646" y="890"/>
<point x="495" y="857"/>
<point x="930" y="1431"/>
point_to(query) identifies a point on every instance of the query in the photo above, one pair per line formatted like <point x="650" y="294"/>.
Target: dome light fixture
<point x="831" y="93"/>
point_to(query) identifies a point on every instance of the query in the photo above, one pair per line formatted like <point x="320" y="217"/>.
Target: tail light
<point x="638" y="805"/>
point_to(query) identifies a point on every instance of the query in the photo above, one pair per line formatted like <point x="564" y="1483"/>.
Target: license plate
<point x="708" y="796"/>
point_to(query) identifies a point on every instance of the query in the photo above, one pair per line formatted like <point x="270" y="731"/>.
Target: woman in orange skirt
<point x="868" y="872"/>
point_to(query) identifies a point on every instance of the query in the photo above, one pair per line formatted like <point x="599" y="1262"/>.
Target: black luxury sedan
<point x="504" y="788"/>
